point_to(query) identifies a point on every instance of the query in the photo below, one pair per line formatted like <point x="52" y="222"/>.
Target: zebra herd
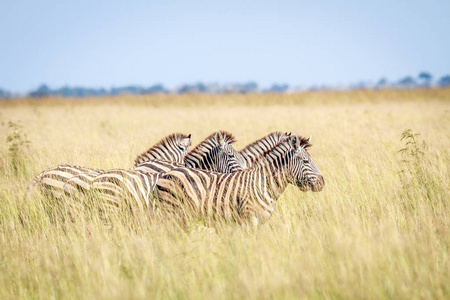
<point x="211" y="181"/>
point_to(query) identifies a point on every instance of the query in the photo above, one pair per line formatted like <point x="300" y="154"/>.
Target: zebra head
<point x="226" y="158"/>
<point x="304" y="174"/>
<point x="216" y="154"/>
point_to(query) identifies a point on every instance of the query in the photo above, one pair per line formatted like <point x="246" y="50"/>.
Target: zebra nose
<point x="319" y="184"/>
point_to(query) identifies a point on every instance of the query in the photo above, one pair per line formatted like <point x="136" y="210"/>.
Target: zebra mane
<point x="154" y="152"/>
<point x="277" y="136"/>
<point x="203" y="149"/>
<point x="261" y="147"/>
<point x="262" y="158"/>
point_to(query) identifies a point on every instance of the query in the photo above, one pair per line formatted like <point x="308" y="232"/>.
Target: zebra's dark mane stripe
<point x="152" y="151"/>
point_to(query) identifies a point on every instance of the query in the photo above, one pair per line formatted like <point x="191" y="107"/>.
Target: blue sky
<point x="302" y="43"/>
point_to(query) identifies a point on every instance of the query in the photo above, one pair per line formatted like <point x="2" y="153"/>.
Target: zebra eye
<point x="305" y="161"/>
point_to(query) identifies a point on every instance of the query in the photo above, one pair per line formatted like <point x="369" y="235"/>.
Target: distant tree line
<point x="423" y="80"/>
<point x="66" y="91"/>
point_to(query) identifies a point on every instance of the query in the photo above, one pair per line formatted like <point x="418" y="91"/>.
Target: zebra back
<point x="171" y="148"/>
<point x="52" y="180"/>
<point x="215" y="153"/>
<point x="113" y="190"/>
<point x="261" y="147"/>
<point x="82" y="183"/>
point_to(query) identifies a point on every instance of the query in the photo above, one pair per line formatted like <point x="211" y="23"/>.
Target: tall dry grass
<point x="379" y="229"/>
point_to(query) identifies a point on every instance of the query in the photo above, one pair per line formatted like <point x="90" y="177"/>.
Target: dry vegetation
<point x="379" y="229"/>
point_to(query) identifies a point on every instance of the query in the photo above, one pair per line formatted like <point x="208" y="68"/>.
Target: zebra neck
<point x="277" y="167"/>
<point x="262" y="189"/>
<point x="278" y="178"/>
<point x="271" y="181"/>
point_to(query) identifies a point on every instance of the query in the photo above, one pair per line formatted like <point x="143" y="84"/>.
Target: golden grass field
<point x="379" y="229"/>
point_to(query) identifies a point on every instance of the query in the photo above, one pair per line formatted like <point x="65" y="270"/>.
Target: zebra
<point x="244" y="196"/>
<point x="261" y="147"/>
<point x="214" y="153"/>
<point x="53" y="181"/>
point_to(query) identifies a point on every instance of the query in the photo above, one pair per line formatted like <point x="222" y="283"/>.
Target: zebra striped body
<point x="243" y="195"/>
<point x="54" y="180"/>
<point x="216" y="154"/>
<point x="84" y="183"/>
<point x="261" y="147"/>
<point x="125" y="188"/>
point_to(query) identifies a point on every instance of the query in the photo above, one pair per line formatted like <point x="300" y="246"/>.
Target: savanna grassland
<point x="379" y="229"/>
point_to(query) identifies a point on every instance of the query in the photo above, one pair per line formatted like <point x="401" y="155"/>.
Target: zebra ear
<point x="309" y="140"/>
<point x="219" y="138"/>
<point x="295" y="142"/>
<point x="187" y="141"/>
